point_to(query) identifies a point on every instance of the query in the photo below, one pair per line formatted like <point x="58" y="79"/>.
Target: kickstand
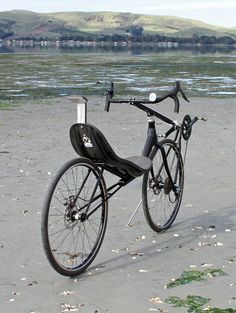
<point x="135" y="211"/>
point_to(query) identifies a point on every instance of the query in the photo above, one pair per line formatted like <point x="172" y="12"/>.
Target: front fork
<point x="150" y="143"/>
<point x="171" y="183"/>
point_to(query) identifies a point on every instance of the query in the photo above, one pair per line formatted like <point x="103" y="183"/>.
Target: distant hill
<point x="18" y="24"/>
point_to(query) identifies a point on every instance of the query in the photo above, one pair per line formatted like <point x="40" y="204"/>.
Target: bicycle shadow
<point x="190" y="229"/>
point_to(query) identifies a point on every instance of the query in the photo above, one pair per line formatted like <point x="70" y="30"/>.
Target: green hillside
<point x="110" y="22"/>
<point x="16" y="24"/>
<point x="24" y="23"/>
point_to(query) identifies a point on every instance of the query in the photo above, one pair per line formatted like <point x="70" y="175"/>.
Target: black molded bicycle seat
<point x="89" y="142"/>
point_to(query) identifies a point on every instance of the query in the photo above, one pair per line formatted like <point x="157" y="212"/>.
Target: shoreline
<point x="10" y="43"/>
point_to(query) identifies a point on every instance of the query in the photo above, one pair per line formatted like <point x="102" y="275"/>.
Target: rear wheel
<point x="74" y="217"/>
<point x="161" y="200"/>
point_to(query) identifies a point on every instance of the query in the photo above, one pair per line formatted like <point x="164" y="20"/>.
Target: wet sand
<point x="34" y="145"/>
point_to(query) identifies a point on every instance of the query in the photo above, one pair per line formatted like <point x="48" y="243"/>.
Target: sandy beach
<point x="134" y="264"/>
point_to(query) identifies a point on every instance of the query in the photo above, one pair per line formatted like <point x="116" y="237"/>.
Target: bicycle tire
<point x="160" y="203"/>
<point x="71" y="237"/>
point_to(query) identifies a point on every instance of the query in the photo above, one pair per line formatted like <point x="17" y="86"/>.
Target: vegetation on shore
<point x="45" y="75"/>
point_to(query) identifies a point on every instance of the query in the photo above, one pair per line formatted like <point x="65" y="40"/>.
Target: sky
<point x="216" y="12"/>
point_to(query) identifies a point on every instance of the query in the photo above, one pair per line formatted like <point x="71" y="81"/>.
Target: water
<point x="36" y="73"/>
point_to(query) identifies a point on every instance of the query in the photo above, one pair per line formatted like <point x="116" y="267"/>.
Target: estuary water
<point x="36" y="73"/>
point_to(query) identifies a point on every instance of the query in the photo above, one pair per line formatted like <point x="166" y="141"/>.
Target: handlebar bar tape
<point x="107" y="104"/>
<point x="176" y="110"/>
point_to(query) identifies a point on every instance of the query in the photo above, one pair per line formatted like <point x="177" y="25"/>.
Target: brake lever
<point x="183" y="95"/>
<point x="107" y="104"/>
<point x="176" y="100"/>
<point x="109" y="96"/>
<point x="110" y="91"/>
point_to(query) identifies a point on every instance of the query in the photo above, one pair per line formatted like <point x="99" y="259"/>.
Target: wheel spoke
<point x="72" y="237"/>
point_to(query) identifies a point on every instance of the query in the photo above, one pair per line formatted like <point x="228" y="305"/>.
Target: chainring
<point x="186" y="129"/>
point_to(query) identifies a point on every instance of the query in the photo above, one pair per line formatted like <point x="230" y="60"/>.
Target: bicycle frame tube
<point x="92" y="199"/>
<point x="116" y="187"/>
<point x="176" y="172"/>
<point x="82" y="186"/>
<point x="164" y="158"/>
<point x="151" y="137"/>
<point x="151" y="112"/>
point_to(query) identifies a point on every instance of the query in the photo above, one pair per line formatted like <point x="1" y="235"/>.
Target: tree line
<point x="154" y="38"/>
<point x="136" y="36"/>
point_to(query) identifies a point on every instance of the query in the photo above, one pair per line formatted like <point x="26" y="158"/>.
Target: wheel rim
<point x="74" y="231"/>
<point x="163" y="200"/>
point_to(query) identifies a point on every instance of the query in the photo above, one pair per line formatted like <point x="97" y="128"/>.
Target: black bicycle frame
<point x="151" y="141"/>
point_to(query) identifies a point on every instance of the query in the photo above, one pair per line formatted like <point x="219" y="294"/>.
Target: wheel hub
<point x="154" y="184"/>
<point x="72" y="215"/>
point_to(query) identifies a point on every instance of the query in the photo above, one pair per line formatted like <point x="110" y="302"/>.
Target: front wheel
<point x="74" y="217"/>
<point x="161" y="198"/>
